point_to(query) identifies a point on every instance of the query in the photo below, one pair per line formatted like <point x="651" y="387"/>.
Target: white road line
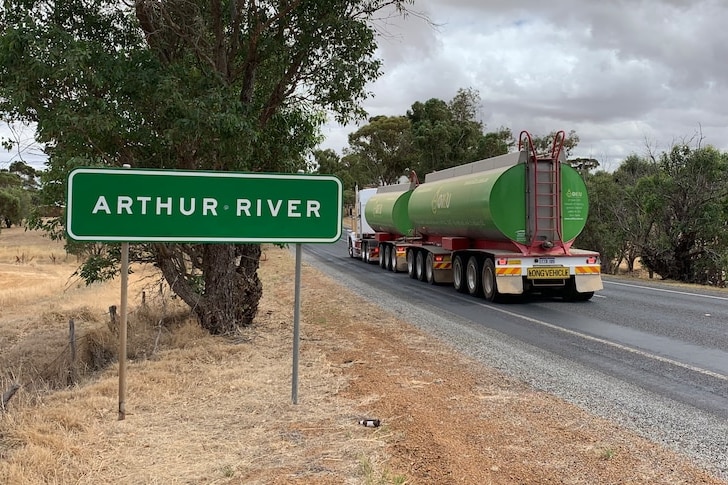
<point x="668" y="291"/>
<point x="625" y="348"/>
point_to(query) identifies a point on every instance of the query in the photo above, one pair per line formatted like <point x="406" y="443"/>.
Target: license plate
<point x="548" y="273"/>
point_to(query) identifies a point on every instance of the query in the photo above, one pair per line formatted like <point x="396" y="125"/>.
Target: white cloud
<point x="624" y="74"/>
<point x="25" y="148"/>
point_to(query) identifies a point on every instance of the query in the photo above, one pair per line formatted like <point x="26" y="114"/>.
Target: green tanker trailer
<point x="499" y="226"/>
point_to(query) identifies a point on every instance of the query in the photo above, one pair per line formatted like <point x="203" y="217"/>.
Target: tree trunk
<point x="232" y="287"/>
<point x="228" y="295"/>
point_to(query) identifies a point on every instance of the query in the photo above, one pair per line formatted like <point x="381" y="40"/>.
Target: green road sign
<point x="131" y="205"/>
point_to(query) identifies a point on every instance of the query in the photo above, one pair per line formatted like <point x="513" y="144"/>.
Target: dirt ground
<point x="212" y="411"/>
<point x="450" y="420"/>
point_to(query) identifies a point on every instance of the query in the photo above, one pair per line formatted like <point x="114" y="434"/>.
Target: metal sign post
<point x="296" y="324"/>
<point x="122" y="329"/>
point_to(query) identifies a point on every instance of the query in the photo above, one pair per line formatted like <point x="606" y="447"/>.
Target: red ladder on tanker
<point x="543" y="187"/>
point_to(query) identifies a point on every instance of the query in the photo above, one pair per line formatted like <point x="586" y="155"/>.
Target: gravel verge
<point x="700" y="436"/>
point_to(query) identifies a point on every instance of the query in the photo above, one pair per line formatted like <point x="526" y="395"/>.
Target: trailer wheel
<point x="570" y="293"/>
<point x="490" y="288"/>
<point x="351" y="248"/>
<point x="364" y="252"/>
<point x="384" y="256"/>
<point x="429" y="268"/>
<point x="393" y="259"/>
<point x="420" y="265"/>
<point x="458" y="274"/>
<point x="411" y="263"/>
<point x="472" y="275"/>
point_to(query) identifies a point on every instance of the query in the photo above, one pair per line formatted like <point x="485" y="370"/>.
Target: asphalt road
<point x="647" y="354"/>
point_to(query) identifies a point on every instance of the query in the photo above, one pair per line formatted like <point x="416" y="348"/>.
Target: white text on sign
<point x="161" y="206"/>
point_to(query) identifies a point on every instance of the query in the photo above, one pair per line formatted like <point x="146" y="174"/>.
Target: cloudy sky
<point x="624" y="74"/>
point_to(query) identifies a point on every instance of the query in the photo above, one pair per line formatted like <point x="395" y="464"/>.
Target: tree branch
<point x="8" y="395"/>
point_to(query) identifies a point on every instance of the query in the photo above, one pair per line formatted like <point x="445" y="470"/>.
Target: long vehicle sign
<point x="548" y="273"/>
<point x="132" y="205"/>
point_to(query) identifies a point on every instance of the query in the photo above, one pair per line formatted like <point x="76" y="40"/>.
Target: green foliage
<point x="495" y="143"/>
<point x="433" y="135"/>
<point x="383" y="149"/>
<point x="101" y="262"/>
<point x="15" y="198"/>
<point x="672" y="214"/>
<point x="687" y="203"/>
<point x="544" y="144"/>
<point x="448" y="134"/>
<point x="602" y="232"/>
<point x="9" y="207"/>
<point x="619" y="224"/>
<point x="27" y="174"/>
<point x="185" y="85"/>
<point x="633" y="220"/>
<point x="97" y="269"/>
<point x="9" y="180"/>
<point x="328" y="162"/>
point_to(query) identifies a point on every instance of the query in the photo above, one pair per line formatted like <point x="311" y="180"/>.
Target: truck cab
<point x="360" y="238"/>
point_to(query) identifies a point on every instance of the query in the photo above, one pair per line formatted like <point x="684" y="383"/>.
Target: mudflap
<point x="509" y="285"/>
<point x="588" y="282"/>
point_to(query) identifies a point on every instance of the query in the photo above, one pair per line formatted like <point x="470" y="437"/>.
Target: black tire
<point x="365" y="252"/>
<point x="411" y="271"/>
<point x="458" y="274"/>
<point x="570" y="293"/>
<point x="420" y="265"/>
<point x="473" y="275"/>
<point x="429" y="268"/>
<point x="490" y="288"/>
<point x="393" y="259"/>
<point x="384" y="256"/>
<point x="585" y="296"/>
<point x="351" y="249"/>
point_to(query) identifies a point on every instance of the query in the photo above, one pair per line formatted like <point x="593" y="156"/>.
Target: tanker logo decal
<point x="441" y="201"/>
<point x="574" y="193"/>
<point x="574" y="208"/>
<point x="378" y="209"/>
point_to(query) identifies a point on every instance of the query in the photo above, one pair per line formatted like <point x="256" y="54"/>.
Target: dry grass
<point x="199" y="409"/>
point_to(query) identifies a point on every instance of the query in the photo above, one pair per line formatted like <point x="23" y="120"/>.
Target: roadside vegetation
<point x="189" y="394"/>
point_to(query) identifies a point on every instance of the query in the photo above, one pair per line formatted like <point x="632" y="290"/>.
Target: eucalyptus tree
<point x="187" y="84"/>
<point x="687" y="202"/>
<point x="328" y="162"/>
<point x="447" y="134"/>
<point x="603" y="232"/>
<point x="14" y="201"/>
<point x="18" y="186"/>
<point x="383" y="148"/>
<point x="544" y="144"/>
<point x="495" y="143"/>
<point x="633" y="220"/>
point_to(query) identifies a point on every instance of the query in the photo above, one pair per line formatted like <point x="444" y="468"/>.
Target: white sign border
<point x="195" y="173"/>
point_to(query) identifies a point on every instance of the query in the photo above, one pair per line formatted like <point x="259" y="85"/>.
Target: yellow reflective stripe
<point x="508" y="271"/>
<point x="587" y="269"/>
